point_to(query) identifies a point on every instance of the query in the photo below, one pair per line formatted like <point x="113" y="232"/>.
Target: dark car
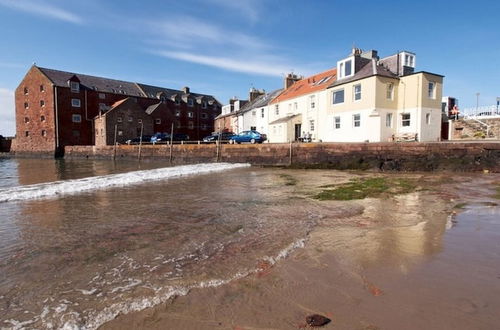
<point x="145" y="139"/>
<point x="224" y="137"/>
<point x="180" y="137"/>
<point x="160" y="137"/>
<point x="248" y="136"/>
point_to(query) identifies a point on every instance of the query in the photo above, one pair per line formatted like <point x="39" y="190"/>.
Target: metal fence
<point x="484" y="112"/>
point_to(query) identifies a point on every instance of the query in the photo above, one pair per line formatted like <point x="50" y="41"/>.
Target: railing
<point x="490" y="111"/>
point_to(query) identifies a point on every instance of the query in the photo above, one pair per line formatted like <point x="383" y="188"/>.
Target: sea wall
<point x="475" y="156"/>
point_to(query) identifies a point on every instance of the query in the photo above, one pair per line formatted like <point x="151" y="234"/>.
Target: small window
<point x="190" y="125"/>
<point x="357" y="92"/>
<point x="337" y="122"/>
<point x="26" y="120"/>
<point x="42" y="103"/>
<point x="75" y="103"/>
<point x="120" y="133"/>
<point x="348" y="68"/>
<point x="42" y="118"/>
<point x="428" y="118"/>
<point x="405" y="119"/>
<point x="119" y="119"/>
<point x="102" y="96"/>
<point x="390" y="91"/>
<point x="130" y="119"/>
<point x="75" y="87"/>
<point x="139" y="121"/>
<point x="177" y="101"/>
<point x="42" y="88"/>
<point x="26" y="92"/>
<point x="311" y="125"/>
<point x="432" y="90"/>
<point x="157" y="121"/>
<point x="102" y="106"/>
<point x="76" y="118"/>
<point x="204" y="127"/>
<point x="253" y="128"/>
<point x="262" y="113"/>
<point x="388" y="120"/>
<point x="44" y="132"/>
<point x="277" y="109"/>
<point x="204" y="105"/>
<point x="177" y="113"/>
<point x="254" y="113"/>
<point x="296" y="106"/>
<point x="338" y="96"/>
<point x="26" y="105"/>
<point x="356" y="120"/>
<point x="26" y="133"/>
<point x="190" y="114"/>
<point x="190" y="102"/>
<point x="178" y="124"/>
<point x="204" y="115"/>
<point x="313" y="102"/>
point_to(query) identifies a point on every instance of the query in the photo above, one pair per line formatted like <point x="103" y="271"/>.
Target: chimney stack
<point x="185" y="89"/>
<point x="255" y="93"/>
<point x="290" y="79"/>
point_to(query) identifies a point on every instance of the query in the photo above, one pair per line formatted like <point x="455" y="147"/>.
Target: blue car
<point x="248" y="136"/>
<point x="160" y="137"/>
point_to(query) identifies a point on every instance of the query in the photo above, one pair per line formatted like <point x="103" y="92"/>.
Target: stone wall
<point x="381" y="156"/>
<point x="470" y="129"/>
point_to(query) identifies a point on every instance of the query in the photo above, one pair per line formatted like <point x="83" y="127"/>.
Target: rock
<point x="317" y="320"/>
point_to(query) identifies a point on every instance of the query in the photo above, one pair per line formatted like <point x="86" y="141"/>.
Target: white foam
<point x="66" y="187"/>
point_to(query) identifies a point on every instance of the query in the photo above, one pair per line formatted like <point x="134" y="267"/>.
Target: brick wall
<point x="381" y="156"/>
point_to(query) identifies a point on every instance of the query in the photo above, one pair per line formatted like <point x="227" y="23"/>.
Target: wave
<point x="69" y="187"/>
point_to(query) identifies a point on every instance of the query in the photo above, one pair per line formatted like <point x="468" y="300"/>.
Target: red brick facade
<point x="57" y="115"/>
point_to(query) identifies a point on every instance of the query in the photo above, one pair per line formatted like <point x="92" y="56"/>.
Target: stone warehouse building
<point x="57" y="108"/>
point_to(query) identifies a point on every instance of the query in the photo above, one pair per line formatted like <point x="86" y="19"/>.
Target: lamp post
<point x="477" y="102"/>
<point x="498" y="103"/>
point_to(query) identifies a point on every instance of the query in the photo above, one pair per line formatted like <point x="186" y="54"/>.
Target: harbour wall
<point x="437" y="156"/>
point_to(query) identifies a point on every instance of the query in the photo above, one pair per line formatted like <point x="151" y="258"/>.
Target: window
<point x="178" y="124"/>
<point x="190" y="114"/>
<point x="204" y="105"/>
<point x="313" y="101"/>
<point x="190" y="102"/>
<point x="338" y="96"/>
<point x="76" y="118"/>
<point x="42" y="118"/>
<point x="42" y="88"/>
<point x="337" y="122"/>
<point x="177" y="101"/>
<point x="390" y="91"/>
<point x="76" y="133"/>
<point x="130" y="119"/>
<point x="26" y="120"/>
<point x="356" y="120"/>
<point x="204" y="115"/>
<point x="277" y="109"/>
<point x="428" y="118"/>
<point x="26" y="133"/>
<point x="102" y="106"/>
<point x="157" y="121"/>
<point x="254" y="113"/>
<point x="405" y="119"/>
<point x="388" y="120"/>
<point x="432" y="90"/>
<point x="348" y="68"/>
<point x="42" y="103"/>
<point x="177" y="113"/>
<point x="296" y="106"/>
<point x="75" y="87"/>
<point x="75" y="103"/>
<point x="26" y="105"/>
<point x="119" y="119"/>
<point x="102" y="96"/>
<point x="262" y="113"/>
<point x="190" y="125"/>
<point x="311" y="125"/>
<point x="204" y="127"/>
<point x="345" y="68"/>
<point x="120" y="132"/>
<point x="26" y="92"/>
<point x="357" y="92"/>
<point x="409" y="60"/>
<point x="44" y="132"/>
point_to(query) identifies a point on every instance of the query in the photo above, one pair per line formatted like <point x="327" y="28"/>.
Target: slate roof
<point x="369" y="69"/>
<point x="317" y="82"/>
<point x="60" y="78"/>
<point x="260" y="101"/>
<point x="154" y="91"/>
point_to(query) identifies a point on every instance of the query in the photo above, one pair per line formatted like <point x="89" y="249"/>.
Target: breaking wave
<point x="67" y="187"/>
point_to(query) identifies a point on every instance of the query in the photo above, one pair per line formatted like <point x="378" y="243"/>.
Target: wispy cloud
<point x="42" y="8"/>
<point x="248" y="8"/>
<point x="7" y="112"/>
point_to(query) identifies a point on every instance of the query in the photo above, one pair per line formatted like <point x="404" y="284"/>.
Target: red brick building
<point x="57" y="108"/>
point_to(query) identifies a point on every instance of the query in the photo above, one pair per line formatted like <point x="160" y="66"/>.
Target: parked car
<point x="145" y="139"/>
<point x="180" y="137"/>
<point x="224" y="137"/>
<point x="160" y="137"/>
<point x="248" y="136"/>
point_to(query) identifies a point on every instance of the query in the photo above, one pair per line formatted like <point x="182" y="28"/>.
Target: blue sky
<point x="224" y="47"/>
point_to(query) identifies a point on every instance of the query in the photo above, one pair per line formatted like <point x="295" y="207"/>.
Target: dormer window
<point x="345" y="68"/>
<point x="408" y="59"/>
<point x="75" y="87"/>
<point x="190" y="102"/>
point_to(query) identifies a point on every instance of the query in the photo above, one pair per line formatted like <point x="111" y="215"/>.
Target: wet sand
<point x="423" y="260"/>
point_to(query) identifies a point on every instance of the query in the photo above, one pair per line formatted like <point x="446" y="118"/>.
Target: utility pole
<point x="114" y="145"/>
<point x="477" y="102"/>
<point x="171" y="141"/>
<point x="140" y="142"/>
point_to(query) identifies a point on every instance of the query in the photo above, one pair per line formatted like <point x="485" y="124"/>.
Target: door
<point x="297" y="131"/>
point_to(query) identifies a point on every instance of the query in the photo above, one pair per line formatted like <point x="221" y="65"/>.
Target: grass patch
<point x="371" y="187"/>
<point x="460" y="206"/>
<point x="497" y="194"/>
<point x="289" y="180"/>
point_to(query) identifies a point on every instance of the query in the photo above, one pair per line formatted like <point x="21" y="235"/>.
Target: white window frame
<point x="431" y="93"/>
<point x="356" y="122"/>
<point x="356" y="93"/>
<point x="341" y="68"/>
<point x="336" y="122"/>
<point x="76" y="103"/>
<point x="76" y="118"/>
<point x="406" y="121"/>
<point x="389" y="91"/>
<point x="190" y="114"/>
<point x="75" y="86"/>
<point x="338" y="91"/>
<point x="388" y="120"/>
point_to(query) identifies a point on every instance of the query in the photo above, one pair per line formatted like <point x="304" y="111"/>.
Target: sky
<point x="225" y="47"/>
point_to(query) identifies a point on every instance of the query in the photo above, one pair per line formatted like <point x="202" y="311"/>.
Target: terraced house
<point x="58" y="108"/>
